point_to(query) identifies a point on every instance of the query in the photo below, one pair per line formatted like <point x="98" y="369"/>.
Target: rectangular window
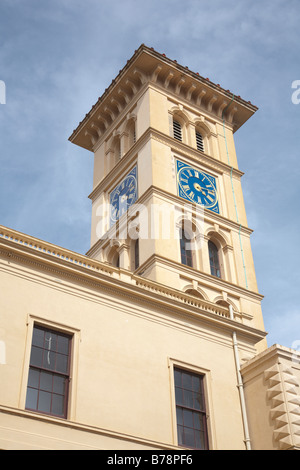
<point x="49" y="372"/>
<point x="190" y="410"/>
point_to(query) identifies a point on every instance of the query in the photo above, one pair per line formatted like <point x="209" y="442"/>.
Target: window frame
<point x="173" y="364"/>
<point x="67" y="328"/>
<point x="55" y="373"/>
<point x="191" y="411"/>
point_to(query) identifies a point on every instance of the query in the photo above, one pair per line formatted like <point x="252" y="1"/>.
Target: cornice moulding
<point x="180" y="148"/>
<point x="148" y="64"/>
<point x="274" y="353"/>
<point x="52" y="258"/>
<point x="207" y="279"/>
<point x="75" y="426"/>
<point x="153" y="191"/>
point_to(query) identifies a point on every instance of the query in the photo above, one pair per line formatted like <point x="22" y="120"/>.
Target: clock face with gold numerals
<point x="123" y="196"/>
<point x="197" y="186"/>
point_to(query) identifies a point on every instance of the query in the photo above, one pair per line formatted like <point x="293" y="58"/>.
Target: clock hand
<point x="206" y="191"/>
<point x="198" y="188"/>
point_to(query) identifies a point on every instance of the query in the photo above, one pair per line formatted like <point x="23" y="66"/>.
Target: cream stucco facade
<point x="135" y="314"/>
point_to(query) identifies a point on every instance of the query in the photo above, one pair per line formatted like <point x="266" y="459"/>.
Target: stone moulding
<point x="18" y="245"/>
<point x="148" y="65"/>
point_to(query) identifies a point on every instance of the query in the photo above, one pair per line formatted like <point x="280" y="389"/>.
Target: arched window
<point x="185" y="249"/>
<point x="214" y="259"/>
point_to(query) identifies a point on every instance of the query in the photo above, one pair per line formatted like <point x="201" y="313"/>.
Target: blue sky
<point x="58" y="56"/>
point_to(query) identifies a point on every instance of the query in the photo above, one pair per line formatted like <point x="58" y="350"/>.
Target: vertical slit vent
<point x="199" y="141"/>
<point x="177" y="130"/>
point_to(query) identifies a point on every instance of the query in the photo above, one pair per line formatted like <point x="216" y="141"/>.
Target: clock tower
<point x="154" y="340"/>
<point x="167" y="202"/>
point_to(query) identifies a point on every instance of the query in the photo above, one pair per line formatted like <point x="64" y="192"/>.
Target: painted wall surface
<point x="123" y="354"/>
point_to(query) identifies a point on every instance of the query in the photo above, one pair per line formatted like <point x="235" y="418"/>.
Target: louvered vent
<point x="199" y="141"/>
<point x="177" y="130"/>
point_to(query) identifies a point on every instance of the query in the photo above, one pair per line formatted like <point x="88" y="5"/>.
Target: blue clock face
<point x="197" y="186"/>
<point x="123" y="196"/>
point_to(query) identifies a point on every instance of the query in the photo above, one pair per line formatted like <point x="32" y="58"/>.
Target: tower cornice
<point x="146" y="64"/>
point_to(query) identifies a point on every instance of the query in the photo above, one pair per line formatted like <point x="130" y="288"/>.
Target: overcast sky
<point x="58" y="56"/>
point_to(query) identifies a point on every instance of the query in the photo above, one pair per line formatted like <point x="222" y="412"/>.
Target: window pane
<point x="59" y="384"/>
<point x="188" y="398"/>
<point x="198" y="423"/>
<point x="46" y="381"/>
<point x="61" y="363"/>
<point x="58" y="405"/>
<point x="36" y="357"/>
<point x="187" y="381"/>
<point x="186" y="254"/>
<point x="31" y="399"/>
<point x="200" y="440"/>
<point x="50" y="341"/>
<point x="63" y="344"/>
<point x="44" y="403"/>
<point x="189" y="438"/>
<point x="188" y="418"/>
<point x="49" y="360"/>
<point x="198" y="401"/>
<point x="214" y="259"/>
<point x="196" y="383"/>
<point x="180" y="435"/>
<point x="178" y="396"/>
<point x="179" y="415"/>
<point x="177" y="377"/>
<point x="33" y="378"/>
<point x="38" y="337"/>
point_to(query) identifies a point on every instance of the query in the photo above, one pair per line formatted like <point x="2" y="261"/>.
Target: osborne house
<point x="154" y="339"/>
